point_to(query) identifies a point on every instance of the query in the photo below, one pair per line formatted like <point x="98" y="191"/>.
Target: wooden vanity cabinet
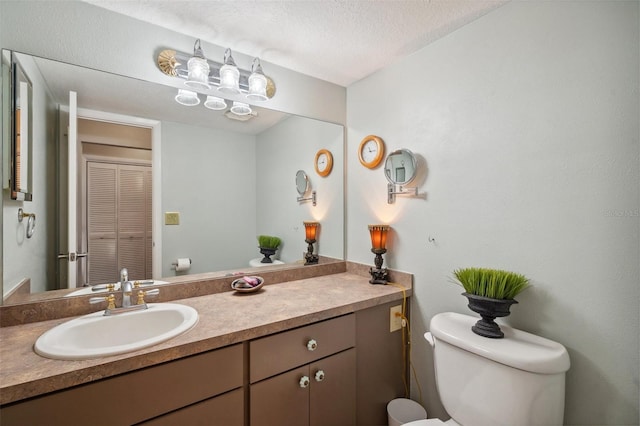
<point x="198" y="386"/>
<point x="305" y="376"/>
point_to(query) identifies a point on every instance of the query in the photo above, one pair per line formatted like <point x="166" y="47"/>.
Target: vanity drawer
<point x="136" y="396"/>
<point x="280" y="352"/>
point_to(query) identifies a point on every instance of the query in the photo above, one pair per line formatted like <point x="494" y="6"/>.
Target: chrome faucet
<point x="126" y="288"/>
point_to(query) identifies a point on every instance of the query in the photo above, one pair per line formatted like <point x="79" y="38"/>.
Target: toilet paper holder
<point x="175" y="263"/>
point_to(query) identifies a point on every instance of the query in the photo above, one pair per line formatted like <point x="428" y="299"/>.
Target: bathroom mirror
<point x="21" y="135"/>
<point x="199" y="150"/>
<point x="400" y="167"/>
<point x="302" y="182"/>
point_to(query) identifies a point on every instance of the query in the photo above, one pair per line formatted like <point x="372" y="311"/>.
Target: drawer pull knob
<point x="312" y="345"/>
<point x="304" y="382"/>
<point x="319" y="376"/>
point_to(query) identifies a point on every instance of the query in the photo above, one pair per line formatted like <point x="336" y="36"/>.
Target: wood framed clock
<point x="371" y="151"/>
<point x="323" y="162"/>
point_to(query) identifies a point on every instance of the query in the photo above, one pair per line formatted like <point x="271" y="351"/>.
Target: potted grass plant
<point x="490" y="293"/>
<point x="268" y="246"/>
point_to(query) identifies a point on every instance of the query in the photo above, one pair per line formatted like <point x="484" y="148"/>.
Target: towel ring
<point x="31" y="221"/>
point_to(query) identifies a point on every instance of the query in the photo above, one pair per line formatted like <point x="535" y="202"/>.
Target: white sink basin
<point x="100" y="288"/>
<point x="95" y="335"/>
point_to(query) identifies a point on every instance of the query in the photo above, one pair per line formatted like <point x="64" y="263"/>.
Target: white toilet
<point x="517" y="380"/>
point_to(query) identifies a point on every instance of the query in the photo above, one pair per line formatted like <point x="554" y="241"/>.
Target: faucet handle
<point x="110" y="299"/>
<point x="142" y="294"/>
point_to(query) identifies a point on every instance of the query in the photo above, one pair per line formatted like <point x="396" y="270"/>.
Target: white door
<point x="69" y="248"/>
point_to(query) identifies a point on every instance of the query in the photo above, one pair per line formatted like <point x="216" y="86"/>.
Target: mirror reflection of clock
<point x="323" y="162"/>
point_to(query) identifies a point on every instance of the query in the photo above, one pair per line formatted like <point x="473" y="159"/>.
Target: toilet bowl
<point x="522" y="371"/>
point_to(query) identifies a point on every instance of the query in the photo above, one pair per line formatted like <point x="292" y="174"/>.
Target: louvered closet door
<point x="132" y="221"/>
<point x="102" y="220"/>
<point x="119" y="218"/>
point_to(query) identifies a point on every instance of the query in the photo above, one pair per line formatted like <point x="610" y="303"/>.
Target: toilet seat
<point x="425" y="422"/>
<point x="432" y="422"/>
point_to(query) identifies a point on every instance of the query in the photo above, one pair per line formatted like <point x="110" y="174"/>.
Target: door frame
<point x="156" y="174"/>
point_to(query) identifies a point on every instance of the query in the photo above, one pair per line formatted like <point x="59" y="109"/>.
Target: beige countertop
<point x="224" y="318"/>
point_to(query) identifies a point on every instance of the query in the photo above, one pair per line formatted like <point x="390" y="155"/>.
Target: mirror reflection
<point x="20" y="100"/>
<point x="400" y="167"/>
<point x="157" y="181"/>
<point x="302" y="182"/>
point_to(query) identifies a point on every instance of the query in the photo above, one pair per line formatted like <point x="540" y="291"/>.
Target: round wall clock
<point x="371" y="151"/>
<point x="323" y="162"/>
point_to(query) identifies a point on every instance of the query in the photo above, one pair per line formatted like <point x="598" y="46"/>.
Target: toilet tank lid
<point x="518" y="349"/>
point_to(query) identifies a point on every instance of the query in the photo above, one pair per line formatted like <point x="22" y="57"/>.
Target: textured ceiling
<point x="337" y="41"/>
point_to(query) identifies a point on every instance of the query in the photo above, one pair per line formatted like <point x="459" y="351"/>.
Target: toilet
<point x="517" y="380"/>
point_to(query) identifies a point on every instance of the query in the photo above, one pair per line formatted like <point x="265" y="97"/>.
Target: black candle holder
<point x="309" y="257"/>
<point x="379" y="275"/>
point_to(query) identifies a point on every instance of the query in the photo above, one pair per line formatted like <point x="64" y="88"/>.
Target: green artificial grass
<point x="493" y="283"/>
<point x="267" y="241"/>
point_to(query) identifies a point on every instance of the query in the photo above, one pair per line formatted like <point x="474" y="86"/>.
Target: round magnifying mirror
<point x="400" y="167"/>
<point x="302" y="182"/>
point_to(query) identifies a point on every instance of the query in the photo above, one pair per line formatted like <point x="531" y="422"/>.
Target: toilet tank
<point x="517" y="380"/>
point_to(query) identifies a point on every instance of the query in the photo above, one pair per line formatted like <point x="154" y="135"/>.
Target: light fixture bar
<point x="174" y="64"/>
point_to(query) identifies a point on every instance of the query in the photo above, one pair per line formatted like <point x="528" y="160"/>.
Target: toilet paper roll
<point x="183" y="264"/>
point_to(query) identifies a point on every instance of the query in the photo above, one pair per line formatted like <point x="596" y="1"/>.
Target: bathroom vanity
<point x="313" y="351"/>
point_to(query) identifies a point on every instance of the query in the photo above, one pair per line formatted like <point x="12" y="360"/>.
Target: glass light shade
<point x="215" y="103"/>
<point x="229" y="79"/>
<point x="240" y="108"/>
<point x="378" y="236"/>
<point x="198" y="74"/>
<point x="257" y="83"/>
<point x="310" y="229"/>
<point x="187" y="97"/>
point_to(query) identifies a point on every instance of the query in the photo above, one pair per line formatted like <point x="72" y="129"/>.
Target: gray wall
<point x="281" y="151"/>
<point x="216" y="199"/>
<point x="528" y="121"/>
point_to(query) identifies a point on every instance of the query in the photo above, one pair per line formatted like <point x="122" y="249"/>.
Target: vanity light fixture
<point x="310" y="229"/>
<point x="198" y="69"/>
<point x="379" y="275"/>
<point x="229" y="75"/>
<point x="257" y="82"/>
<point x="222" y="77"/>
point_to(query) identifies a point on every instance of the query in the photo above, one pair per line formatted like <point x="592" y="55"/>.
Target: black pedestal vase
<point x="489" y="309"/>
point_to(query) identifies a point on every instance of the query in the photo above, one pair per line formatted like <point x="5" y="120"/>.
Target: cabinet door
<point x="332" y="398"/>
<point x="281" y="400"/>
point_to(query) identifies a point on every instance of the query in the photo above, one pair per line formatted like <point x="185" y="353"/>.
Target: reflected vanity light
<point x="187" y="97"/>
<point x="215" y="103"/>
<point x="240" y="108"/>
<point x="379" y="275"/>
<point x="310" y="229"/>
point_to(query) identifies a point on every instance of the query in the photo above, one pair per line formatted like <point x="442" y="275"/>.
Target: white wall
<point x="528" y="121"/>
<point x="216" y="199"/>
<point x="281" y="151"/>
<point x="30" y="254"/>
<point x="83" y="34"/>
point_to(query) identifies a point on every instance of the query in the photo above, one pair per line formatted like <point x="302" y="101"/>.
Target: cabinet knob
<point x="304" y="382"/>
<point x="312" y="345"/>
<point x="319" y="376"/>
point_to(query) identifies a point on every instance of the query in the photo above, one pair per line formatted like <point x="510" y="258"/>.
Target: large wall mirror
<point x="228" y="180"/>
